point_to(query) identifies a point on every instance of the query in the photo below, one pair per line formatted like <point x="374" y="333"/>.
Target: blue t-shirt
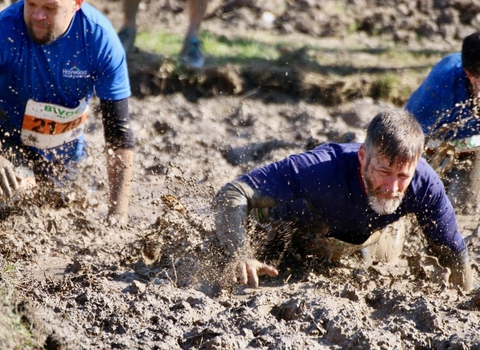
<point x="443" y="98"/>
<point x="324" y="185"/>
<point x="87" y="59"/>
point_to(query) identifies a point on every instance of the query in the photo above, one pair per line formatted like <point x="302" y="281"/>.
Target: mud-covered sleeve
<point x="437" y="218"/>
<point x="232" y="205"/>
<point x="116" y="124"/>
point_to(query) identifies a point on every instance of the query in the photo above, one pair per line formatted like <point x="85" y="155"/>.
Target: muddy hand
<point x="8" y="180"/>
<point x="461" y="276"/>
<point x="250" y="269"/>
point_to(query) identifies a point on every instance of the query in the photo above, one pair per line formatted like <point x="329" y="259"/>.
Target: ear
<point x="469" y="75"/>
<point x="78" y="4"/>
<point x="362" y="155"/>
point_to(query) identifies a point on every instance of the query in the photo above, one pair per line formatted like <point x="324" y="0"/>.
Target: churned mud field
<point x="78" y="282"/>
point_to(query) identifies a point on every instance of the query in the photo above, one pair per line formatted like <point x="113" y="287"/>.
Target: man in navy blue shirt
<point x="347" y="195"/>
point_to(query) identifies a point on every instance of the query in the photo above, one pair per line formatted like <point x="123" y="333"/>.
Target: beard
<point x="46" y="39"/>
<point x="382" y="206"/>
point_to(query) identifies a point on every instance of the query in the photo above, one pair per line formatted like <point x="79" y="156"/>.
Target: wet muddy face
<point x="385" y="183"/>
<point x="474" y="85"/>
<point x="47" y="20"/>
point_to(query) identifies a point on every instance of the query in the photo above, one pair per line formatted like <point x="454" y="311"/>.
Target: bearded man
<point x="338" y="199"/>
<point x="55" y="56"/>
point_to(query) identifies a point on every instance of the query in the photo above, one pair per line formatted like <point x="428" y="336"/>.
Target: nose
<point x="392" y="185"/>
<point x="39" y="14"/>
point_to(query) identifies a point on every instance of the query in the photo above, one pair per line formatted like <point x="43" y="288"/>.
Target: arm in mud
<point x="120" y="154"/>
<point x="289" y="180"/>
<point x="458" y="263"/>
<point x="12" y="177"/>
<point x="120" y="174"/>
<point x="8" y="177"/>
<point x="232" y="205"/>
<point x="447" y="243"/>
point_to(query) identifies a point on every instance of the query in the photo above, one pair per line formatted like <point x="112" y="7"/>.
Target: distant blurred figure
<point x="191" y="55"/>
<point x="447" y="106"/>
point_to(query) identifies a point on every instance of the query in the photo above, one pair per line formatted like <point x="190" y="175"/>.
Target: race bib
<point x="47" y="125"/>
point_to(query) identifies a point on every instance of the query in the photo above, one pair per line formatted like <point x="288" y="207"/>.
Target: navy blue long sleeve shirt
<point x="325" y="184"/>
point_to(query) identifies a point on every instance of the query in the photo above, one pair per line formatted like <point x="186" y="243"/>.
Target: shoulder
<point x="95" y="20"/>
<point x="13" y="30"/>
<point x="99" y="34"/>
<point x="11" y="19"/>
<point x="425" y="170"/>
<point x="14" y="11"/>
<point x="327" y="156"/>
<point x="426" y="190"/>
<point x="334" y="150"/>
<point x="452" y="60"/>
<point x="426" y="180"/>
<point x="449" y="65"/>
<point x="445" y="84"/>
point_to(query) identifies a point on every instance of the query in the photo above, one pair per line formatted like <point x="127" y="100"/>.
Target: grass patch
<point x="394" y="70"/>
<point x="162" y="43"/>
<point x="14" y="334"/>
<point x="243" y="50"/>
<point x="223" y="50"/>
<point x="384" y="86"/>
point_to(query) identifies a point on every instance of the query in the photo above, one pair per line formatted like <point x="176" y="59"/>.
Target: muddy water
<point x="78" y="273"/>
<point x="146" y="285"/>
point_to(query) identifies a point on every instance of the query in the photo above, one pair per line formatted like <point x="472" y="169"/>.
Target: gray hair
<point x="395" y="134"/>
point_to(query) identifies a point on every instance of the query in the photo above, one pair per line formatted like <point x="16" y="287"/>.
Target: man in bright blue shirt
<point x="54" y="56"/>
<point x="448" y="96"/>
<point x="347" y="195"/>
<point x="446" y="105"/>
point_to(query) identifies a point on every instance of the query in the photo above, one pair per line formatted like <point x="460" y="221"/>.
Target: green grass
<point x="163" y="43"/>
<point x="241" y="50"/>
<point x="395" y="69"/>
<point x="14" y="334"/>
<point x="222" y="49"/>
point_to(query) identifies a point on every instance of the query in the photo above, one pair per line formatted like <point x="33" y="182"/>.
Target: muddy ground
<point x="79" y="283"/>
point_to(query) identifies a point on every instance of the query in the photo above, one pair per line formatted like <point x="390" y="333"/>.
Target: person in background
<point x="338" y="199"/>
<point x="55" y="55"/>
<point x="191" y="55"/>
<point x="447" y="106"/>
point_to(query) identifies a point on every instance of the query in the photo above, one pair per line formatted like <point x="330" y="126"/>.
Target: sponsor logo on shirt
<point x="61" y="113"/>
<point x="74" y="72"/>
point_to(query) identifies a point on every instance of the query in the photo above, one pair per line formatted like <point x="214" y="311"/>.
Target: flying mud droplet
<point x="151" y="251"/>
<point x="173" y="203"/>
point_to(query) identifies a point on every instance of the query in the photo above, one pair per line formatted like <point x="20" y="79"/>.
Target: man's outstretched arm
<point x="120" y="146"/>
<point x="232" y="204"/>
